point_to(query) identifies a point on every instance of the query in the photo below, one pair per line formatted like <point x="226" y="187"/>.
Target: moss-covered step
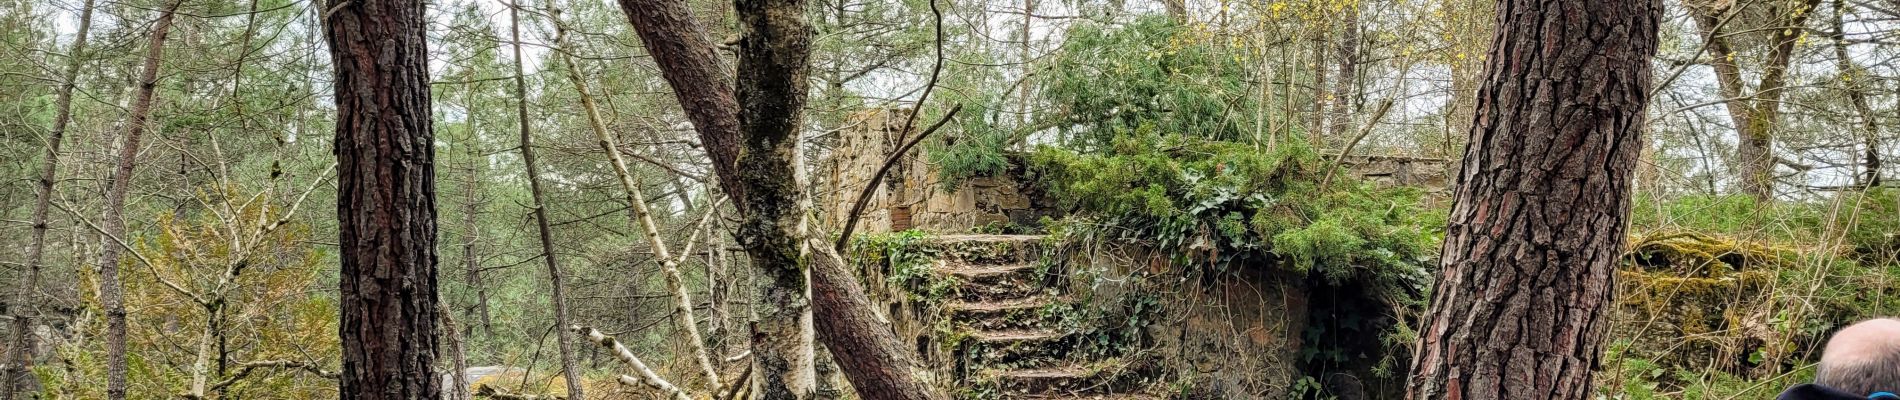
<point x="987" y="249"/>
<point x="1018" y="313"/>
<point x="995" y="282"/>
<point x="1072" y="380"/>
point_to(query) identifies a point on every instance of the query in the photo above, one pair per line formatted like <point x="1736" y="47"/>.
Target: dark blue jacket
<point x="1818" y="392"/>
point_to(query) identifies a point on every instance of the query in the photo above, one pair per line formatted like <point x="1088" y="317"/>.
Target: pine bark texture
<point x="385" y="199"/>
<point x="754" y="124"/>
<point x="18" y="359"/>
<point x="111" y="291"/>
<point x="1520" y="307"/>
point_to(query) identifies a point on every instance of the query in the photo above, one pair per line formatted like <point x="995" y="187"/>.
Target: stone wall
<point x="911" y="195"/>
<point x="1431" y="174"/>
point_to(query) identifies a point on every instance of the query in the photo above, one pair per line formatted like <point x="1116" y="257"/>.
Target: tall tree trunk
<point x="1022" y="89"/>
<point x="774" y="59"/>
<point x="18" y="359"/>
<point x="111" y="293"/>
<point x="1520" y="305"/>
<point x="1344" y="100"/>
<point x="471" y="226"/>
<point x="1855" y="79"/>
<point x="1315" y="126"/>
<point x="641" y="216"/>
<point x="772" y="66"/>
<point x="1757" y="114"/>
<point x="569" y="366"/>
<point x="385" y="199"/>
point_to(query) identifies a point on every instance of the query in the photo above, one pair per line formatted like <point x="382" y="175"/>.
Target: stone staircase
<point x="1008" y="344"/>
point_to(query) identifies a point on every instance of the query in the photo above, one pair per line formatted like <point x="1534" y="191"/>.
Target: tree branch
<point x="647" y="376"/>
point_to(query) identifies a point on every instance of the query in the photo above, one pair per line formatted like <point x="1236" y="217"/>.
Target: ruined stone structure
<point x="1015" y="317"/>
<point x="911" y="196"/>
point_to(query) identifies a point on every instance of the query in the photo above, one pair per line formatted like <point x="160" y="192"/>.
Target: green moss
<point x="909" y="259"/>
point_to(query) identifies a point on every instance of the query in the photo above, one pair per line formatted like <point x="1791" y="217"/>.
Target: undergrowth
<point x="1727" y="297"/>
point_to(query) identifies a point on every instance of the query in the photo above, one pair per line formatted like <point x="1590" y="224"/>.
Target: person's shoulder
<point x="1816" y="392"/>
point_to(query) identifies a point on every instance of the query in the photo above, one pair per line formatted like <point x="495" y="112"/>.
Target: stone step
<point x="1085" y="396"/>
<point x="1099" y="378"/>
<point x="989" y="249"/>
<point x="996" y="282"/>
<point x="1024" y="348"/>
<point x="1004" y="314"/>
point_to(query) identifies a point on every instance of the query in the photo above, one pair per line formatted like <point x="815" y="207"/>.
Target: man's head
<point x="1863" y="358"/>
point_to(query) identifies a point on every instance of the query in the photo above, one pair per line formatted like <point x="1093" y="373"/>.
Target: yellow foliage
<point x="229" y="273"/>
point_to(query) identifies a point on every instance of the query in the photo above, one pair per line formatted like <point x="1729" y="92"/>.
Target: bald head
<point x="1862" y="358"/>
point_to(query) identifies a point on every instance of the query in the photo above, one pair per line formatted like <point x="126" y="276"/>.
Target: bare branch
<point x="647" y="376"/>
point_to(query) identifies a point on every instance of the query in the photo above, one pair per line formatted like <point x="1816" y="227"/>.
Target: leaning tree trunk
<point x="756" y="127"/>
<point x="641" y="215"/>
<point x="111" y="294"/>
<point x="18" y="359"/>
<point x="385" y="199"/>
<point x="570" y="368"/>
<point x="1519" y="309"/>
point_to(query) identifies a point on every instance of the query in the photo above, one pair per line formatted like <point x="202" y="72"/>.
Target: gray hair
<point x="1863" y="358"/>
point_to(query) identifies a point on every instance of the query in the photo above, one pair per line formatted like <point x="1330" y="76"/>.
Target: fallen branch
<point x="245" y="369"/>
<point x="739" y="385"/>
<point x="647" y="376"/>
<point x="498" y="394"/>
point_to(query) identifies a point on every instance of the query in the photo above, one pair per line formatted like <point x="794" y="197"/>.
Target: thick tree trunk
<point x="18" y="359"/>
<point x="385" y="199"/>
<point x="111" y="294"/>
<point x="772" y="71"/>
<point x="570" y="367"/>
<point x="1520" y="305"/>
<point x="699" y="79"/>
<point x="872" y="358"/>
<point x="774" y="58"/>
